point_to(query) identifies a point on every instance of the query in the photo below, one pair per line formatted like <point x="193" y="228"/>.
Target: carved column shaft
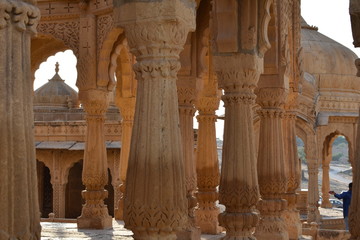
<point x="354" y="212"/>
<point x="207" y="166"/>
<point x="127" y="109"/>
<point x="186" y="97"/>
<point x="59" y="199"/>
<point x="95" y="171"/>
<point x="238" y="189"/>
<point x="155" y="205"/>
<point x="326" y="184"/>
<point x="291" y="215"/>
<point x="313" y="190"/>
<point x="19" y="208"/>
<point x="273" y="177"/>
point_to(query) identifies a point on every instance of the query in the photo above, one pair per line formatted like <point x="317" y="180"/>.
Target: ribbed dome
<point x="56" y="93"/>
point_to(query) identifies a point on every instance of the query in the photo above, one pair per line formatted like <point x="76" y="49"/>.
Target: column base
<point x="193" y="233"/>
<point x="272" y="224"/>
<point x="292" y="223"/>
<point x="94" y="222"/>
<point x="207" y="220"/>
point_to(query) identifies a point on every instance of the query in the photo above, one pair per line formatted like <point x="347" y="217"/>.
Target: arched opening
<point x="74" y="186"/>
<point x="67" y="69"/>
<point x="45" y="189"/>
<point x="336" y="169"/>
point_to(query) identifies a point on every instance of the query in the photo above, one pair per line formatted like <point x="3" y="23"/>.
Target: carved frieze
<point x="67" y="31"/>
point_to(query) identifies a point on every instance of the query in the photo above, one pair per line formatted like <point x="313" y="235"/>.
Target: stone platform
<point x="69" y="231"/>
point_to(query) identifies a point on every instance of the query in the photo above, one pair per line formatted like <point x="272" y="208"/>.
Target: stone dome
<point x="332" y="64"/>
<point x="323" y="54"/>
<point x="56" y="93"/>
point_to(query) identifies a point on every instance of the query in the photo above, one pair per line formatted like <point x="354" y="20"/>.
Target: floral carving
<point x="104" y="25"/>
<point x="68" y="32"/>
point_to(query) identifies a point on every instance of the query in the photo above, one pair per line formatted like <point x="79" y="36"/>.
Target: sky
<point x="330" y="16"/>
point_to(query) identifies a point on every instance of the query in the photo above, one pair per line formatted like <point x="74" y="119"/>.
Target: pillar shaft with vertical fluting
<point x="313" y="189"/>
<point x="238" y="189"/>
<point x="271" y="165"/>
<point x="291" y="214"/>
<point x="207" y="166"/>
<point x="20" y="218"/>
<point x="94" y="212"/>
<point x="155" y="205"/>
<point x="186" y="99"/>
<point x="326" y="183"/>
<point x="127" y="109"/>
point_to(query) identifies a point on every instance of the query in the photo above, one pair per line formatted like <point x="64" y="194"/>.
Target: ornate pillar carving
<point x="326" y="184"/>
<point x="272" y="167"/>
<point x="20" y="218"/>
<point x="127" y="109"/>
<point x="313" y="191"/>
<point x="238" y="54"/>
<point x="155" y="197"/>
<point x="291" y="214"/>
<point x="207" y="166"/>
<point x="95" y="174"/>
<point x="238" y="183"/>
<point x="186" y="99"/>
<point x="59" y="199"/>
<point x="354" y="214"/>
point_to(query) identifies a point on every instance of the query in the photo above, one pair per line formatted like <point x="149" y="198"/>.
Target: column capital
<point x="186" y="95"/>
<point x="95" y="102"/>
<point x="127" y="107"/>
<point x="207" y="105"/>
<point x="23" y="14"/>
<point x="271" y="97"/>
<point x="155" y="28"/>
<point x="238" y="72"/>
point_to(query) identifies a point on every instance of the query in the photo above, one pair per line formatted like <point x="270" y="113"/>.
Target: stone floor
<point x="69" y="231"/>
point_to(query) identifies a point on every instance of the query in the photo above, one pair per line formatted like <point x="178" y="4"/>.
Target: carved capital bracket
<point x="238" y="72"/>
<point x="127" y="108"/>
<point x="271" y="97"/>
<point x="207" y="105"/>
<point x="95" y="102"/>
<point x="23" y="15"/>
<point x="186" y="96"/>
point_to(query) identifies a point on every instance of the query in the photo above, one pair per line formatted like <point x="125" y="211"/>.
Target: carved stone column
<point x="354" y="213"/>
<point x="313" y="191"/>
<point x="20" y="217"/>
<point x="272" y="169"/>
<point x="238" y="183"/>
<point x="155" y="205"/>
<point x="326" y="185"/>
<point x="207" y="166"/>
<point x="95" y="174"/>
<point x="186" y="98"/>
<point x="291" y="214"/>
<point x="59" y="199"/>
<point x="127" y="109"/>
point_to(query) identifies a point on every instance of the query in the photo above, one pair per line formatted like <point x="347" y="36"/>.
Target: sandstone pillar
<point x="127" y="109"/>
<point x="313" y="190"/>
<point x="20" y="216"/>
<point x="326" y="185"/>
<point x="354" y="220"/>
<point x="291" y="214"/>
<point x="238" y="183"/>
<point x="59" y="199"/>
<point x="207" y="166"/>
<point x="273" y="177"/>
<point x="238" y="52"/>
<point x="186" y="98"/>
<point x="155" y="205"/>
<point x="95" y="174"/>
